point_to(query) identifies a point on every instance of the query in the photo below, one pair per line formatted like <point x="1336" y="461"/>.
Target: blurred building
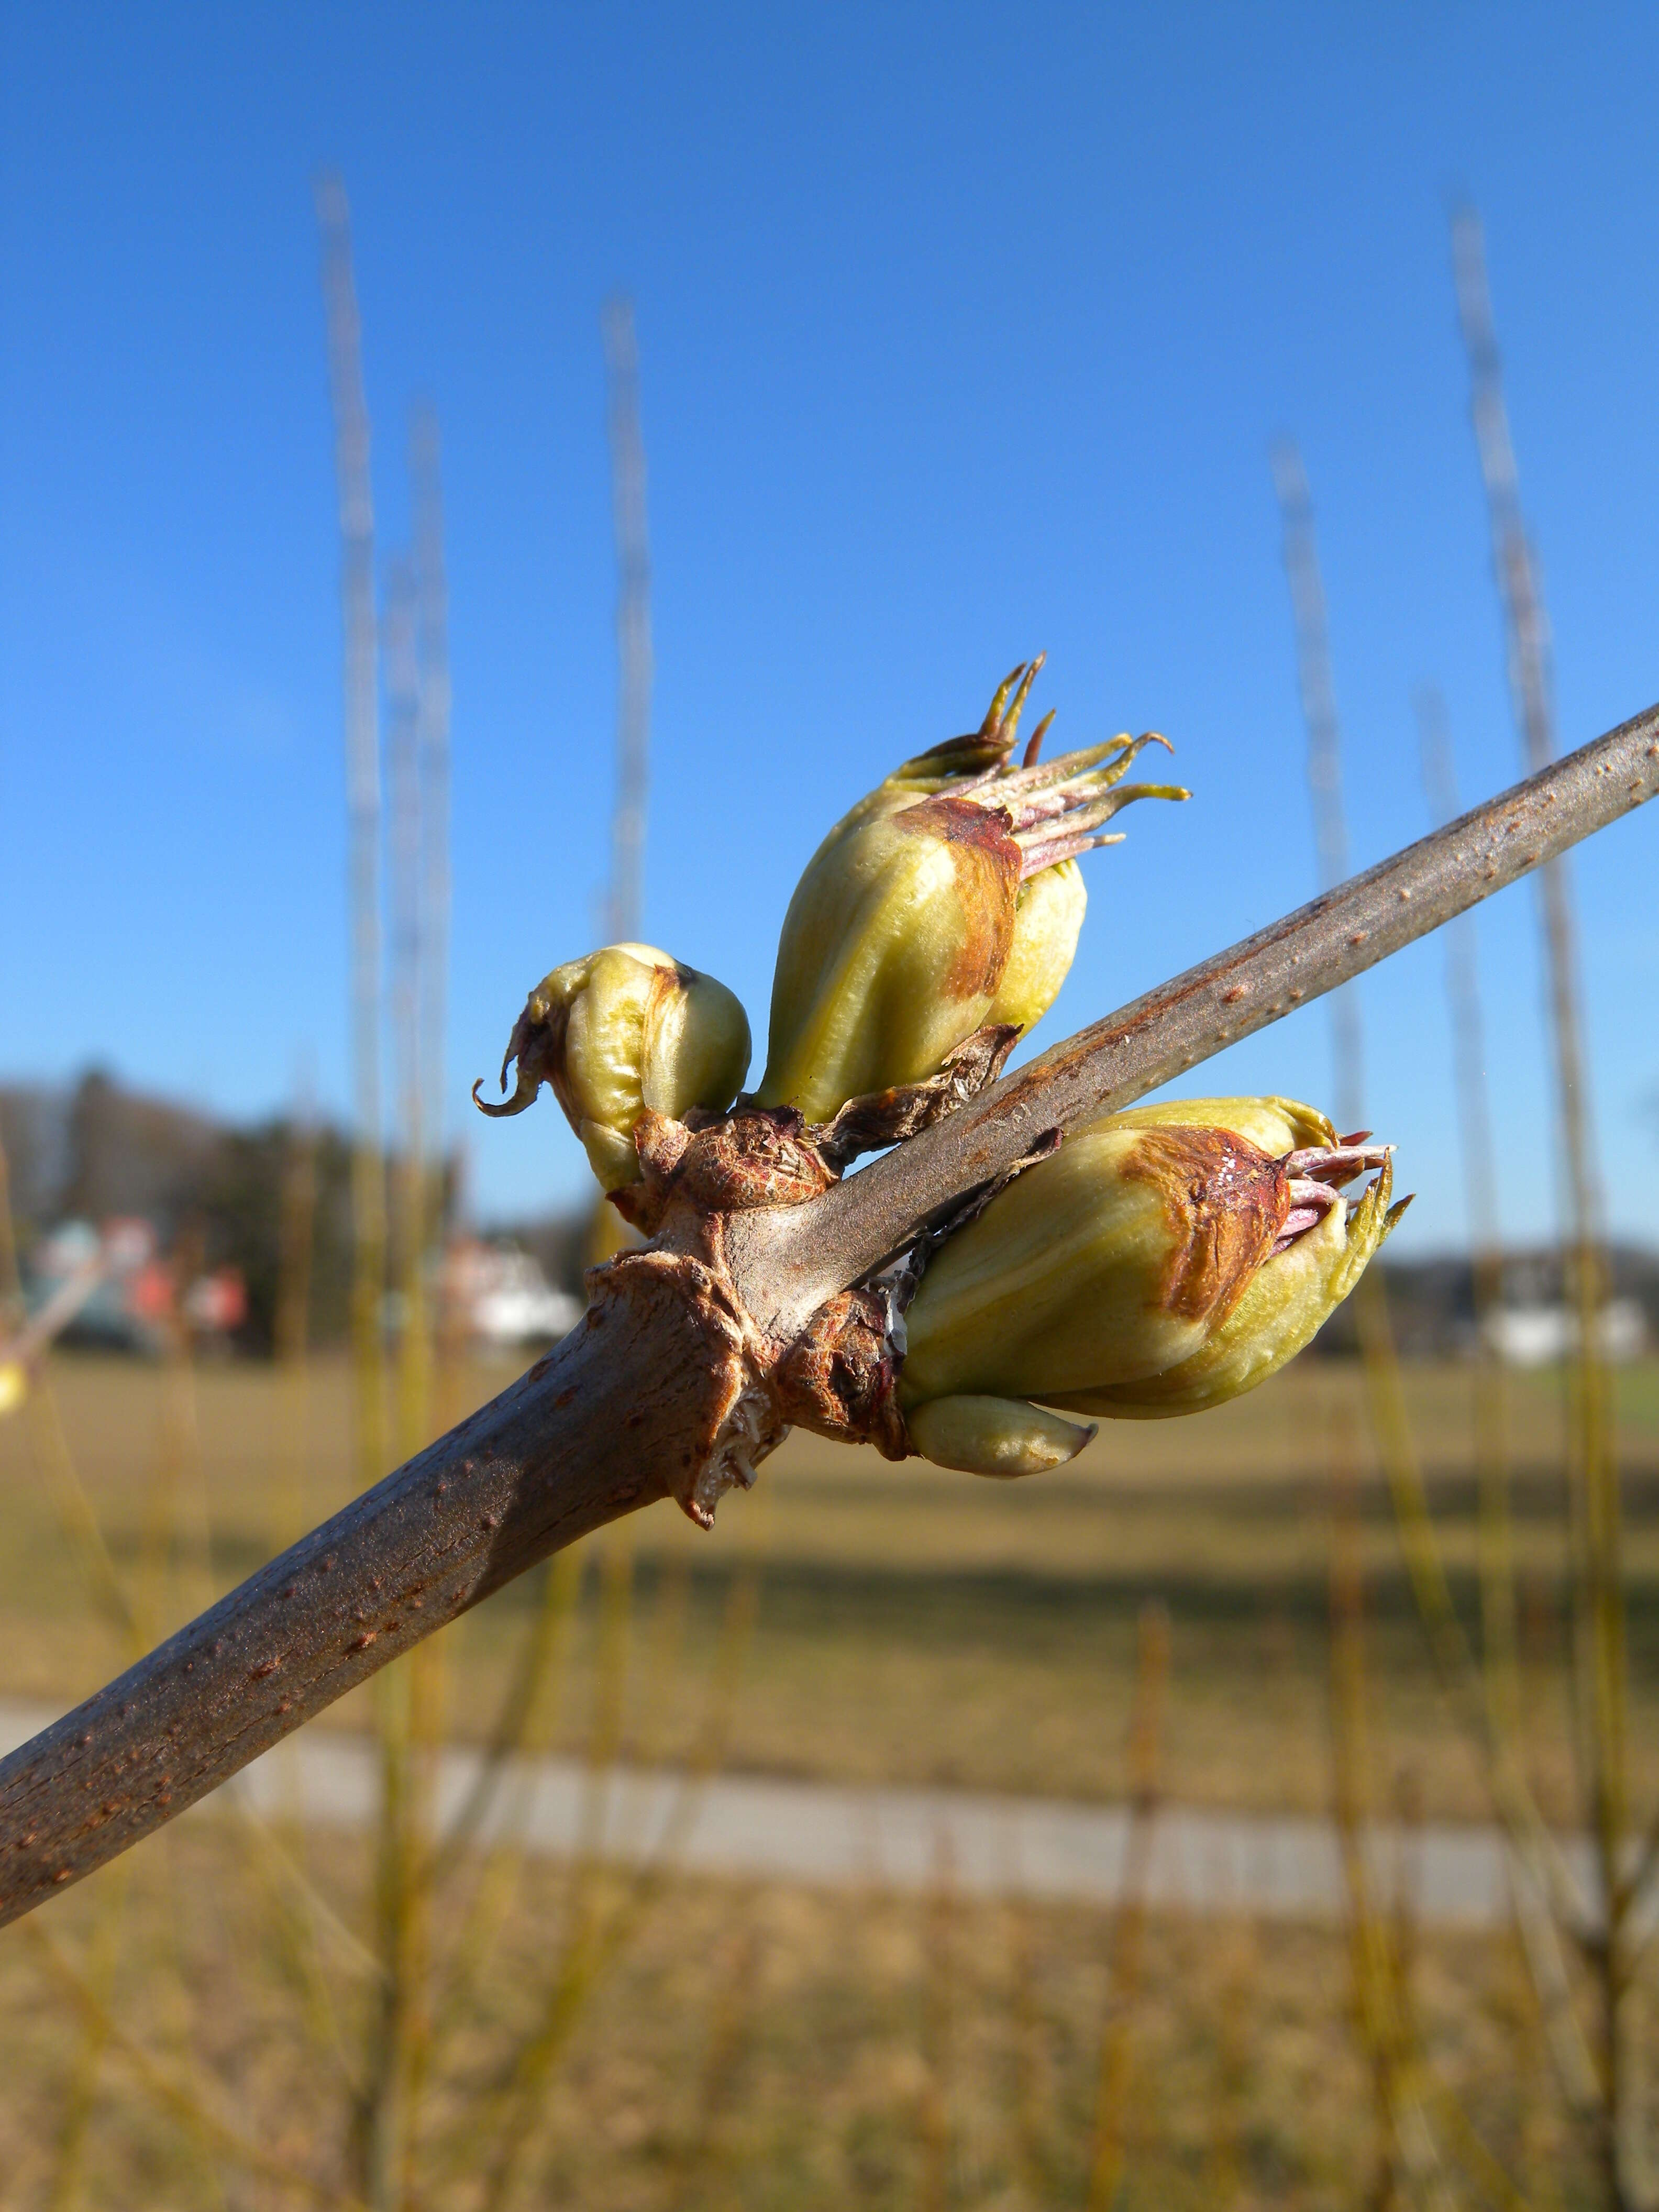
<point x="1431" y="1305"/>
<point x="1540" y="1336"/>
<point x="114" y="1287"/>
<point x="499" y="1294"/>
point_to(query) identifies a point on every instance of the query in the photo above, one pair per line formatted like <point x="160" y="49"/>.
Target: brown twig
<point x="611" y="1421"/>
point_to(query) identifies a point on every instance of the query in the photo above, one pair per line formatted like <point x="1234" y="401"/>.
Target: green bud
<point x="945" y="896"/>
<point x="1163" y="1260"/>
<point x="993" y="1435"/>
<point x="619" y="1030"/>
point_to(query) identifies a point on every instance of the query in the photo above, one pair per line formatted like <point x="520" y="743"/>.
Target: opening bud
<point x="947" y="898"/>
<point x="1163" y="1260"/>
<point x="620" y="1030"/>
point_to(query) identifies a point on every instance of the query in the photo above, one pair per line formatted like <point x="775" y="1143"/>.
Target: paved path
<point x="902" y="1839"/>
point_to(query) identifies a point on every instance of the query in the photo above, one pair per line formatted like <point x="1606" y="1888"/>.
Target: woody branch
<point x="659" y="1378"/>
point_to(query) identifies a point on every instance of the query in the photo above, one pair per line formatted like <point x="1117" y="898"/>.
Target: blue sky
<point x="964" y="332"/>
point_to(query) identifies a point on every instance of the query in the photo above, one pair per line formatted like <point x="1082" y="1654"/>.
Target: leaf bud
<point x="1002" y="1437"/>
<point x="946" y="895"/>
<point x="620" y="1030"/>
<point x="1163" y="1259"/>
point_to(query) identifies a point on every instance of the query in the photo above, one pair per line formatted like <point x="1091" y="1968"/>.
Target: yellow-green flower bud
<point x="946" y="898"/>
<point x="617" y="1031"/>
<point x="1163" y="1259"/>
<point x="892" y="949"/>
<point x="1047" y="920"/>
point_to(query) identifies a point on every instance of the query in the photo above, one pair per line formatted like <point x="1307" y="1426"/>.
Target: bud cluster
<point x="1160" y="1261"/>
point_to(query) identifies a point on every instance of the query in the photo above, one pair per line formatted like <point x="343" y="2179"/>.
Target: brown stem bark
<point x="630" y="1405"/>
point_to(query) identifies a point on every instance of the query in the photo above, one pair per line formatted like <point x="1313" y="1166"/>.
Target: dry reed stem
<point x="1224" y="2166"/>
<point x="80" y="2095"/>
<point x="938" y="2039"/>
<point x="1109" y="2149"/>
<point x="1600" y="1652"/>
<point x="1032" y="2160"/>
<point x="591" y="1945"/>
<point x="474" y="1946"/>
<point x="1406" y="2150"/>
<point x="525" y="1714"/>
<point x="1500" y="1662"/>
<point x="699" y="2160"/>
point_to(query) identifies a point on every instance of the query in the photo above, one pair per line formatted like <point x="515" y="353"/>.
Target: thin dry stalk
<point x="621" y="362"/>
<point x="433" y="719"/>
<point x="374" y="2139"/>
<point x="363" y="755"/>
<point x="381" y="2127"/>
<point x="1313" y="661"/>
<point x="1111" y="2145"/>
<point x="1500" y="1661"/>
<point x="1406" y="2159"/>
<point x="1382" y="1998"/>
<point x="81" y="2093"/>
<point x="1030" y="2095"/>
<point x="938" y="2031"/>
<point x="1225" y="2163"/>
<point x="513" y="2122"/>
<point x="701" y="2164"/>
<point x="291" y="1328"/>
<point x="473" y="1949"/>
<point x="1601" y="1656"/>
<point x="1454" y="1661"/>
<point x="297" y="1911"/>
<point x="409" y="1704"/>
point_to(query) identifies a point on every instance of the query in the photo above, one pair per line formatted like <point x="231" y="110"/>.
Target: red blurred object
<point x="217" y="1302"/>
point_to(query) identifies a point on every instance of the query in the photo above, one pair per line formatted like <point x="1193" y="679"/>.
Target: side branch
<point x="641" y="1395"/>
<point x="786" y="1262"/>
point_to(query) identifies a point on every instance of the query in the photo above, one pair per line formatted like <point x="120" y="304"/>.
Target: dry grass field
<point x="184" y="2028"/>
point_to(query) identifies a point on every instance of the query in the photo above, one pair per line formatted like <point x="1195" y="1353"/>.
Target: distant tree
<point x="240" y="1205"/>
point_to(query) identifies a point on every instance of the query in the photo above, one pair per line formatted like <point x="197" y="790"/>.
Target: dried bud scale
<point x="621" y="1031"/>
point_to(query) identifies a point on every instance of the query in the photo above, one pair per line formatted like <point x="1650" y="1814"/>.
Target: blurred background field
<point x="196" y="2029"/>
<point x="917" y="1626"/>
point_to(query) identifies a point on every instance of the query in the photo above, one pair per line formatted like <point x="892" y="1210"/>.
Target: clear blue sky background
<point x="964" y="332"/>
